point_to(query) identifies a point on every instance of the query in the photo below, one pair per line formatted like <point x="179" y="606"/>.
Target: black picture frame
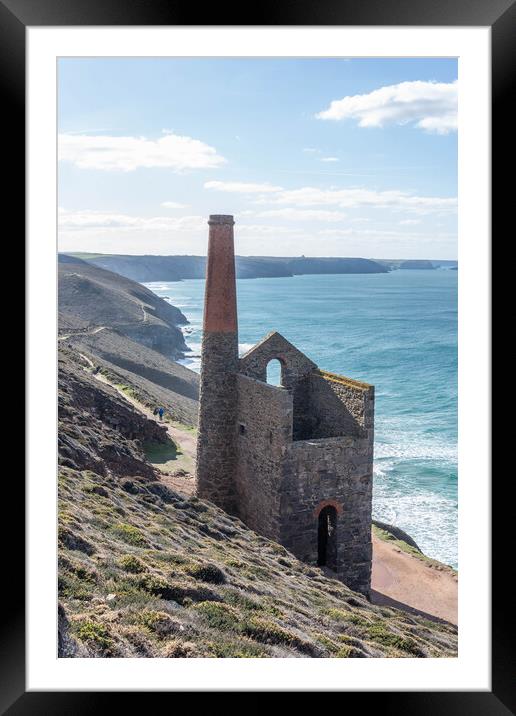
<point x="15" y="17"/>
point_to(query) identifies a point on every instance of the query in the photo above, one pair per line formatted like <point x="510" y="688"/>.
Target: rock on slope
<point x="91" y="297"/>
<point x="145" y="571"/>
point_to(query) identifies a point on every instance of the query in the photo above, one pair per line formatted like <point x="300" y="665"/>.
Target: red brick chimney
<point x="220" y="308"/>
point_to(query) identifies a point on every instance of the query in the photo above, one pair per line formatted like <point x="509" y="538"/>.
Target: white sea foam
<point x="424" y="515"/>
<point x="244" y="347"/>
<point x="417" y="448"/>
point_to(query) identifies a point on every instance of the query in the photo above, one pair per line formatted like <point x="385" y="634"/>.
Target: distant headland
<point x="147" y="268"/>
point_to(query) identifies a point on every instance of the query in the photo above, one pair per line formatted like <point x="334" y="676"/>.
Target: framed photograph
<point x="259" y="403"/>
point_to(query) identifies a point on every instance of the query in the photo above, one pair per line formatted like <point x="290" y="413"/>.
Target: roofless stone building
<point x="295" y="461"/>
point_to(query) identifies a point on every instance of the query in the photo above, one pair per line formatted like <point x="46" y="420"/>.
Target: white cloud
<point x="240" y="187"/>
<point x="342" y="198"/>
<point x="430" y="105"/>
<point x="351" y="198"/>
<point x="410" y="222"/>
<point x="103" y="221"/>
<point x="330" y="159"/>
<point x="109" y="153"/>
<point x="246" y="230"/>
<point x="292" y="214"/>
<point x="173" y="205"/>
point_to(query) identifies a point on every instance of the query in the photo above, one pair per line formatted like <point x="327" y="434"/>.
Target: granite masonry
<point x="294" y="461"/>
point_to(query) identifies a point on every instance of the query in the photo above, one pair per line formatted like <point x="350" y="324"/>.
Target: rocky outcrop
<point x="397" y="533"/>
<point x="98" y="429"/>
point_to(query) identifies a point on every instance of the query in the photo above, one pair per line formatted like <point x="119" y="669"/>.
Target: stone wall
<point x="337" y="470"/>
<point x="339" y="406"/>
<point x="216" y="454"/>
<point x="264" y="427"/>
<point x="294" y="364"/>
<point x="287" y="451"/>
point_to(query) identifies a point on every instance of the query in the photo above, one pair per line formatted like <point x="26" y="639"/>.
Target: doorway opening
<point x="327" y="538"/>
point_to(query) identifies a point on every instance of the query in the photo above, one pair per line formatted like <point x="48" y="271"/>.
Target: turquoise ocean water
<point x="396" y="330"/>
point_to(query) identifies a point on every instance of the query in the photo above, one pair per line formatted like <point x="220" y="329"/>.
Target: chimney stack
<point x="220" y="309"/>
<point x="216" y="443"/>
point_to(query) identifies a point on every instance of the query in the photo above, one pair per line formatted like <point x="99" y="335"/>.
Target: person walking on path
<point x="160" y="412"/>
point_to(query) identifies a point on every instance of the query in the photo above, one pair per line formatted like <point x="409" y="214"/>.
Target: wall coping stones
<point x="335" y="378"/>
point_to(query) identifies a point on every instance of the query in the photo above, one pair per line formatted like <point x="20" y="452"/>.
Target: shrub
<point x="132" y="564"/>
<point x="219" y="615"/>
<point x="129" y="534"/>
<point x="72" y="587"/>
<point x="155" y="585"/>
<point x="95" y="635"/>
<point x="158" y="622"/>
<point x="208" y="573"/>
<point x="73" y="541"/>
<point x="269" y="632"/>
<point x="380" y="634"/>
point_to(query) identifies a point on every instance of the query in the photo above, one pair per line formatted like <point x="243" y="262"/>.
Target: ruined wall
<point x="294" y="364"/>
<point x="339" y="406"/>
<point x="333" y="469"/>
<point x="264" y="427"/>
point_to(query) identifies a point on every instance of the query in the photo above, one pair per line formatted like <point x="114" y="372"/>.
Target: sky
<point x="314" y="157"/>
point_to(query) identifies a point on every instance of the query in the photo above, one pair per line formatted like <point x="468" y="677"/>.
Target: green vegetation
<point x="95" y="635"/>
<point x="130" y="534"/>
<point x="162" y="455"/>
<point x="132" y="564"/>
<point x="208" y="573"/>
<point x="178" y="578"/>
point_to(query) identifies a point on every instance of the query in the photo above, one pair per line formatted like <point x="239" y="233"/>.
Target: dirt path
<point x="177" y="466"/>
<point x="79" y="334"/>
<point x="402" y="581"/>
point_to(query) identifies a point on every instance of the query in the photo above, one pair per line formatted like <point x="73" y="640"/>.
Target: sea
<point x="396" y="330"/>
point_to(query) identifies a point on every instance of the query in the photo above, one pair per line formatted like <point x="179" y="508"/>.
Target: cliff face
<point x="147" y="571"/>
<point x="92" y="299"/>
<point x="308" y="265"/>
<point x="98" y="430"/>
<point x="417" y="264"/>
<point x="175" y="268"/>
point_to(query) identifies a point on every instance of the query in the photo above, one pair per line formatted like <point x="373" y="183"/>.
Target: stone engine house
<point x="294" y="461"/>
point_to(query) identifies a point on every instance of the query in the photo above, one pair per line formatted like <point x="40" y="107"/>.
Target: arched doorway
<point x="274" y="372"/>
<point x="327" y="538"/>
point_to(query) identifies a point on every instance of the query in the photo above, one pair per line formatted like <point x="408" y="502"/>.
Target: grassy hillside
<point x="147" y="571"/>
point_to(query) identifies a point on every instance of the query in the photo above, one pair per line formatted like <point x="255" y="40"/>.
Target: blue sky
<point x="322" y="157"/>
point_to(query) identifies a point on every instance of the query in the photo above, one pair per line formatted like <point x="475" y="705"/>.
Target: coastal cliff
<point x="92" y="299"/>
<point x="174" y="268"/>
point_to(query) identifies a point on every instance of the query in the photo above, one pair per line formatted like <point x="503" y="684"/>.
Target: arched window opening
<point x="274" y="372"/>
<point x="327" y="538"/>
